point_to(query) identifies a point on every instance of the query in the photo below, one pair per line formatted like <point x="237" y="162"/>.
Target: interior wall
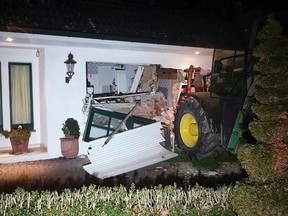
<point x="100" y="78"/>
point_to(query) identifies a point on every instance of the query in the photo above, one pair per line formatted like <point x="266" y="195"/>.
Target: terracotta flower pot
<point x="69" y="147"/>
<point x="19" y="147"/>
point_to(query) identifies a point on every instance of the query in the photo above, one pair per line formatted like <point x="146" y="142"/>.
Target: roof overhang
<point x="38" y="40"/>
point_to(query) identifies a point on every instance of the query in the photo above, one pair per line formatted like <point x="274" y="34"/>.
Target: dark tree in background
<point x="266" y="162"/>
<point x="271" y="107"/>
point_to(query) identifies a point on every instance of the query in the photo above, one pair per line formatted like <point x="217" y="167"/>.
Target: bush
<point x="266" y="163"/>
<point x="94" y="200"/>
<point x="71" y="128"/>
<point x="257" y="161"/>
<point x="271" y="82"/>
<point x="260" y="199"/>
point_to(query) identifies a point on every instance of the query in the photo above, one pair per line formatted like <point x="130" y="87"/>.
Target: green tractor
<point x="210" y="121"/>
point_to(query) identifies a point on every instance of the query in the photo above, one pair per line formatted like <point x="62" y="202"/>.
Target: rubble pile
<point x="156" y="108"/>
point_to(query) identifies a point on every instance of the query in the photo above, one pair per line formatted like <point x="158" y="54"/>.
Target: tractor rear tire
<point x="194" y="130"/>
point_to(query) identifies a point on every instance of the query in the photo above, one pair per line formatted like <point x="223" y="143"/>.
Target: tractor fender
<point x="210" y="104"/>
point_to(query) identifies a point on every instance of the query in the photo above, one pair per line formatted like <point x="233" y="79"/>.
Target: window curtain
<point x="20" y="94"/>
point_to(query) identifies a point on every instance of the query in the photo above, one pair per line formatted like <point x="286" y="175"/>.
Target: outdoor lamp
<point x="70" y="62"/>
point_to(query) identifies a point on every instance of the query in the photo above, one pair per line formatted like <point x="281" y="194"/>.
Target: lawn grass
<point x="212" y="162"/>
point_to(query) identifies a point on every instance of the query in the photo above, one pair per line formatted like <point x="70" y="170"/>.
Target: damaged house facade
<point x="113" y="57"/>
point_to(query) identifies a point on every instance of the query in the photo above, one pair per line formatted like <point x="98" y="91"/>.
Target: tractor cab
<point x="229" y="74"/>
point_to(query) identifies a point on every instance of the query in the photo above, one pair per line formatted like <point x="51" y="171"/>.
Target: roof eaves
<point x="202" y="41"/>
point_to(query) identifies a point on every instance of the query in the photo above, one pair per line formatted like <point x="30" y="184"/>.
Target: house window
<point x="20" y="82"/>
<point x="1" y="115"/>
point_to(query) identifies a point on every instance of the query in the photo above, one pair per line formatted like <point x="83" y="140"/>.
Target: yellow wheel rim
<point x="189" y="130"/>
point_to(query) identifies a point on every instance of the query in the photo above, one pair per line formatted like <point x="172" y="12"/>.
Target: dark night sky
<point x="210" y="7"/>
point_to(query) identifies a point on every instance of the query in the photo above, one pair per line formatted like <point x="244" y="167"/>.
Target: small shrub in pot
<point x="70" y="143"/>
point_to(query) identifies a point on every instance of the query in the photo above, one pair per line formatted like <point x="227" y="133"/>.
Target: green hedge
<point x="257" y="161"/>
<point x="268" y="199"/>
<point x="266" y="192"/>
<point x="94" y="200"/>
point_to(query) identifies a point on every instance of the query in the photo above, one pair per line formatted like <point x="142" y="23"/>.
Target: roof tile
<point x="152" y="22"/>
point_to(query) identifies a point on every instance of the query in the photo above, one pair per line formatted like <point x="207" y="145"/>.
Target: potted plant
<point x="19" y="139"/>
<point x="70" y="143"/>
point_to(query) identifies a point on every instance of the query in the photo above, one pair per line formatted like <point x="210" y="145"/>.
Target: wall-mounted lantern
<point x="70" y="62"/>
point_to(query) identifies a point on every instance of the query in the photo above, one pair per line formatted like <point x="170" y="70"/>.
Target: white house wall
<point x="54" y="100"/>
<point x="20" y="56"/>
